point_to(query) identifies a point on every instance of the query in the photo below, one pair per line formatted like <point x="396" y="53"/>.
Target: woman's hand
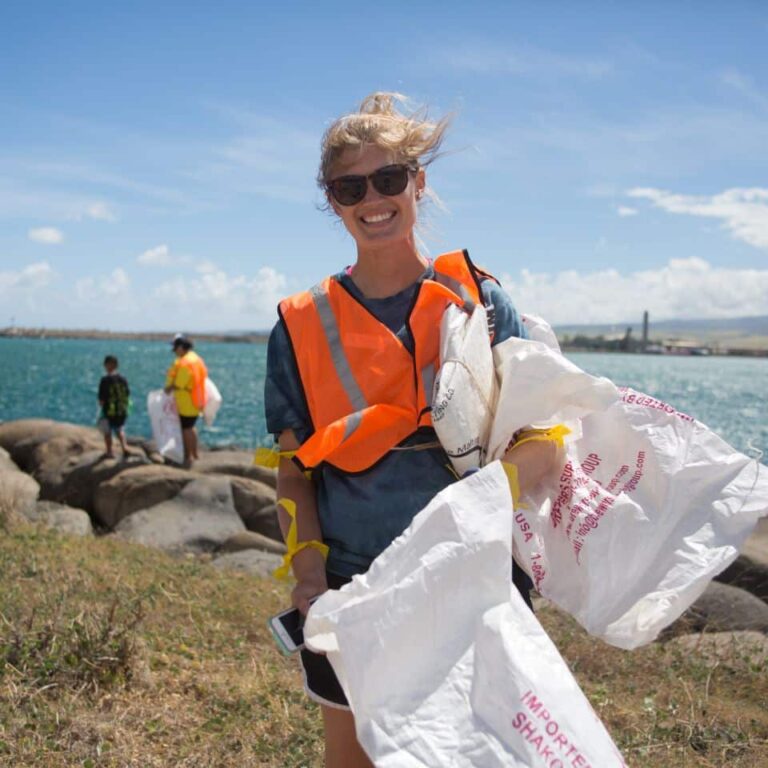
<point x="534" y="461"/>
<point x="309" y="570"/>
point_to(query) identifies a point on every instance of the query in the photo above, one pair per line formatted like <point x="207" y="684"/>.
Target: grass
<point x="112" y="654"/>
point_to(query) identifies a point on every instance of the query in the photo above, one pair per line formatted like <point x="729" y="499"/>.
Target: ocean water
<point x="58" y="379"/>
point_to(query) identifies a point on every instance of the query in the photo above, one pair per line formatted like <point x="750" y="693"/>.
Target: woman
<point x="350" y="368"/>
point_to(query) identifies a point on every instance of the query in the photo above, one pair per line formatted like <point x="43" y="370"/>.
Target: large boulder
<point x="252" y="497"/>
<point x="199" y="519"/>
<point x="722" y="608"/>
<point x="748" y="574"/>
<point x="756" y="546"/>
<point x="71" y="475"/>
<point x="251" y="561"/>
<point x="138" y="488"/>
<point x="263" y="521"/>
<point x="239" y="463"/>
<point x="67" y="520"/>
<point x="7" y="464"/>
<point x="18" y="491"/>
<point x="251" y="540"/>
<point x="24" y="437"/>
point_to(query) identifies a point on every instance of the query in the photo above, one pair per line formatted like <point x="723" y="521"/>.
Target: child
<point x="113" y="399"/>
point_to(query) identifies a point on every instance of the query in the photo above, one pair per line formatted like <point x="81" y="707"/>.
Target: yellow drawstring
<point x="292" y="543"/>
<point x="554" y="434"/>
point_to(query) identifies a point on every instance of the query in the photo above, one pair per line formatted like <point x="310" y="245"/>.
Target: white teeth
<point x="378" y="217"/>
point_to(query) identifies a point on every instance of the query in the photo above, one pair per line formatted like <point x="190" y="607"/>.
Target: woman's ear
<point x="421" y="183"/>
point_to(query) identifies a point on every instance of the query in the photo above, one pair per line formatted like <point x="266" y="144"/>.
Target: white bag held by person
<point x="648" y="507"/>
<point x="464" y="395"/>
<point x="166" y="427"/>
<point x="212" y="402"/>
<point x="441" y="660"/>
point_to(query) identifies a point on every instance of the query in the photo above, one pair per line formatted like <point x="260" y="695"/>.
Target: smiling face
<point x="378" y="220"/>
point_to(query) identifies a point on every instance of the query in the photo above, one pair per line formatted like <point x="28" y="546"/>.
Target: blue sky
<point x="157" y="164"/>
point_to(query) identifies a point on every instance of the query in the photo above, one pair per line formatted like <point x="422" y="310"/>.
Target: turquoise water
<point x="58" y="379"/>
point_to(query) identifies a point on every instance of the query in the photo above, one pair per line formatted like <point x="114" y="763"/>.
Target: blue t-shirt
<point x="361" y="514"/>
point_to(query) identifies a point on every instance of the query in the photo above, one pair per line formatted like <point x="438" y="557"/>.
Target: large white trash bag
<point x="649" y="506"/>
<point x="166" y="427"/>
<point x="464" y="397"/>
<point x="212" y="402"/>
<point x="442" y="662"/>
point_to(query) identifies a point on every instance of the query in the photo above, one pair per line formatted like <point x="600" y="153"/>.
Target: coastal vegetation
<point x="133" y="626"/>
<point x="113" y="654"/>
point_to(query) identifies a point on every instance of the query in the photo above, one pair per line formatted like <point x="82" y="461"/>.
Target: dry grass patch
<point x="113" y="655"/>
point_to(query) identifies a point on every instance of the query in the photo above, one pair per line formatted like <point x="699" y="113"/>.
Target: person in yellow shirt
<point x="186" y="379"/>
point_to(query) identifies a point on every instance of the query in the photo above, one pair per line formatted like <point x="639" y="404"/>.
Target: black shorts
<point x="187" y="422"/>
<point x="113" y="424"/>
<point x="320" y="680"/>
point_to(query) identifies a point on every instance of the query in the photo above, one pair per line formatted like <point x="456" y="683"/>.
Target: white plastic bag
<point x="441" y="660"/>
<point x="212" y="402"/>
<point x="166" y="427"/>
<point x="648" y="507"/>
<point x="463" y="422"/>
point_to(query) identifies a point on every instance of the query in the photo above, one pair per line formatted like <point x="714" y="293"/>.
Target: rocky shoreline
<point x="223" y="510"/>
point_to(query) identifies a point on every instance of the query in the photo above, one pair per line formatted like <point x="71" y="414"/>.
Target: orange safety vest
<point x="364" y="390"/>
<point x="198" y="375"/>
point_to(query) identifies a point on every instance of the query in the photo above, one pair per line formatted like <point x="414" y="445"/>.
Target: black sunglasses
<point x="389" y="180"/>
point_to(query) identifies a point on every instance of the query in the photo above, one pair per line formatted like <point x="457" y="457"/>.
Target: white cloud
<point x="100" y="211"/>
<point x="113" y="290"/>
<point x="32" y="277"/>
<point x="47" y="235"/>
<point x="743" y="212"/>
<point x="745" y="86"/>
<point x="624" y="211"/>
<point x="224" y="296"/>
<point x="159" y="256"/>
<point x="684" y="288"/>
<point x="480" y="57"/>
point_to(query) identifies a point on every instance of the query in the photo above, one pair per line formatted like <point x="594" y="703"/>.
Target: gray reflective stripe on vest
<point x="339" y="357"/>
<point x="457" y="288"/>
<point x="428" y="373"/>
<point x="351" y="423"/>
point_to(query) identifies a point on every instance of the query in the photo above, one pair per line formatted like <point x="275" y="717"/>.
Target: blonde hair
<point x="409" y="134"/>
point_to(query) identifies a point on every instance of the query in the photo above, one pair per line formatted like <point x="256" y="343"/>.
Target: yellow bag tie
<point x="514" y="486"/>
<point x="291" y="542"/>
<point x="554" y="434"/>
<point x="270" y="457"/>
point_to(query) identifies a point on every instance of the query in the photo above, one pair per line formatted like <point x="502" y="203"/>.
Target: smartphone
<point x="288" y="629"/>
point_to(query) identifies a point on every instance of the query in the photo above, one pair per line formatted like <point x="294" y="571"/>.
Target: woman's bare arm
<point x="309" y="564"/>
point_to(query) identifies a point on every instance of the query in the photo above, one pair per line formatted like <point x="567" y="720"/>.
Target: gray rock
<point x="733" y="649"/>
<point x="722" y="608"/>
<point x="18" y="492"/>
<point x="70" y="473"/>
<point x="756" y="546"/>
<point x="251" y="497"/>
<point x="238" y="463"/>
<point x="747" y="574"/>
<point x="24" y="437"/>
<point x="137" y="488"/>
<point x="251" y="561"/>
<point x="67" y="520"/>
<point x="7" y="464"/>
<point x="251" y="540"/>
<point x="263" y="521"/>
<point x="200" y="519"/>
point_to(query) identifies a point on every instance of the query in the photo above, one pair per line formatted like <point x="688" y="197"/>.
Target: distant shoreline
<point x="62" y="333"/>
<point x="261" y="337"/>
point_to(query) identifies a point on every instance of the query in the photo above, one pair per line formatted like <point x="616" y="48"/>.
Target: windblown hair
<point x="409" y="134"/>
